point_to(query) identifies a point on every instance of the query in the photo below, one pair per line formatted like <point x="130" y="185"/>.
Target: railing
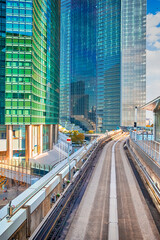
<point x="153" y="186"/>
<point x="44" y="181"/>
<point x="35" y="188"/>
<point x="147" y="144"/>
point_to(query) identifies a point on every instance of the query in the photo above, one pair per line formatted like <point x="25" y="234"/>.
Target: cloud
<point x="153" y="74"/>
<point x="153" y="56"/>
<point x="153" y="30"/>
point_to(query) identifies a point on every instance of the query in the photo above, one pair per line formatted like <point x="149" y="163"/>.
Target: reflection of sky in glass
<point x="78" y="59"/>
<point x="108" y="64"/>
<point x="2" y="60"/>
<point x="92" y="72"/>
<point x="19" y="17"/>
<point x="133" y="61"/>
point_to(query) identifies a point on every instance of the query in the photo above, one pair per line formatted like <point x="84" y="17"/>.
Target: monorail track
<point x="54" y="224"/>
<point x="65" y="220"/>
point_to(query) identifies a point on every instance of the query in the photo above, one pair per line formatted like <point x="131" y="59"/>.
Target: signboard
<point x="68" y="140"/>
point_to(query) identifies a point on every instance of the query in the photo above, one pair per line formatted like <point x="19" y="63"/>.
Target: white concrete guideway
<point x="113" y="233"/>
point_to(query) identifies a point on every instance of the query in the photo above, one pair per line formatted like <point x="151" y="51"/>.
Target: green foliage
<point x="76" y="137"/>
<point x="90" y="131"/>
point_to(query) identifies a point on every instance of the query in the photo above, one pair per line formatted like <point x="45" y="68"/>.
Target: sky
<point x="153" y="49"/>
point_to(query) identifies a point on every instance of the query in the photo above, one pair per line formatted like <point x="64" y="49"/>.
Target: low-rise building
<point x="154" y="106"/>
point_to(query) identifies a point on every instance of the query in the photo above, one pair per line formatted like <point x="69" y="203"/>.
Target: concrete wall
<point x="40" y="204"/>
<point x="20" y="233"/>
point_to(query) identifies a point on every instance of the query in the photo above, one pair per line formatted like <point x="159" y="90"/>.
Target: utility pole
<point x="69" y="141"/>
<point x="135" y="124"/>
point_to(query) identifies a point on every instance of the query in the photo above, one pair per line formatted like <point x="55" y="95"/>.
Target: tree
<point x="76" y="137"/>
<point x="80" y="137"/>
<point x="90" y="132"/>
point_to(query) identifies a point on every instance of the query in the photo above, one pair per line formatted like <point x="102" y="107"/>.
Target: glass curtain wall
<point x="78" y="65"/>
<point x="83" y="64"/>
<point x="31" y="57"/>
<point x="3" y="132"/>
<point x="103" y="60"/>
<point x="35" y="140"/>
<point x="45" y="82"/>
<point x="18" y="62"/>
<point x="2" y="59"/>
<point x="133" y="66"/>
<point x="65" y="72"/>
<point x="46" y="136"/>
<point x="108" y="64"/>
<point x="19" y="141"/>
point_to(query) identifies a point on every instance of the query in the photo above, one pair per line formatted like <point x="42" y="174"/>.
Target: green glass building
<point x="29" y="80"/>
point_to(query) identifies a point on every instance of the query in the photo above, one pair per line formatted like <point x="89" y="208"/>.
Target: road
<point x="113" y="206"/>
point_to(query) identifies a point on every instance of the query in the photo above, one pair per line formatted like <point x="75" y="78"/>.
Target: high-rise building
<point x="103" y="62"/>
<point x="78" y="62"/>
<point x="29" y="76"/>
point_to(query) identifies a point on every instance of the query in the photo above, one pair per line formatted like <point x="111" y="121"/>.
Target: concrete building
<point x="103" y="63"/>
<point x="29" y="77"/>
<point x="154" y="106"/>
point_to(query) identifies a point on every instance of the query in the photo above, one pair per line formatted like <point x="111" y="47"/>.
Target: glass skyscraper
<point x="133" y="60"/>
<point x="102" y="62"/>
<point x="78" y="62"/>
<point x="108" y="64"/>
<point x="30" y="69"/>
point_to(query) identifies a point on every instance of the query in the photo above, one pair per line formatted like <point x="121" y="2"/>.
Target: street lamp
<point x="135" y="123"/>
<point x="69" y="141"/>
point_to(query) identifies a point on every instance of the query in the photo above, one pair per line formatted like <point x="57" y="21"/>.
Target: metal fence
<point x="18" y="171"/>
<point x="146" y="142"/>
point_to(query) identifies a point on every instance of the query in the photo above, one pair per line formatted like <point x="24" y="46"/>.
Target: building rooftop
<point x="152" y="105"/>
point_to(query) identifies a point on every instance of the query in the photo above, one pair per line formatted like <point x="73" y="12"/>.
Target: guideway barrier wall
<point x="33" y="204"/>
<point x="148" y="150"/>
<point x="147" y="167"/>
<point x="147" y="144"/>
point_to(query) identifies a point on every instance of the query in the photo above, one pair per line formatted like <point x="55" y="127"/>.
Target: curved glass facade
<point x="45" y="81"/>
<point x="65" y="72"/>
<point x="2" y="59"/>
<point x="102" y="59"/>
<point x="30" y="62"/>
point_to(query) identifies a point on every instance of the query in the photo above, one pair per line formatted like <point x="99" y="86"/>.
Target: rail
<point x="147" y="144"/>
<point x="42" y="182"/>
<point x="57" y="169"/>
<point x="55" y="220"/>
<point x="155" y="190"/>
<point x="20" y="201"/>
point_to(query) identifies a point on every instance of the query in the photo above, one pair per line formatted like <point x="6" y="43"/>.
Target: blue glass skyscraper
<point x="102" y="62"/>
<point x="108" y="64"/>
<point x="78" y="62"/>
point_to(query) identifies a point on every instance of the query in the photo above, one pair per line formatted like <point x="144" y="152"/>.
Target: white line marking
<point x="113" y="232"/>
